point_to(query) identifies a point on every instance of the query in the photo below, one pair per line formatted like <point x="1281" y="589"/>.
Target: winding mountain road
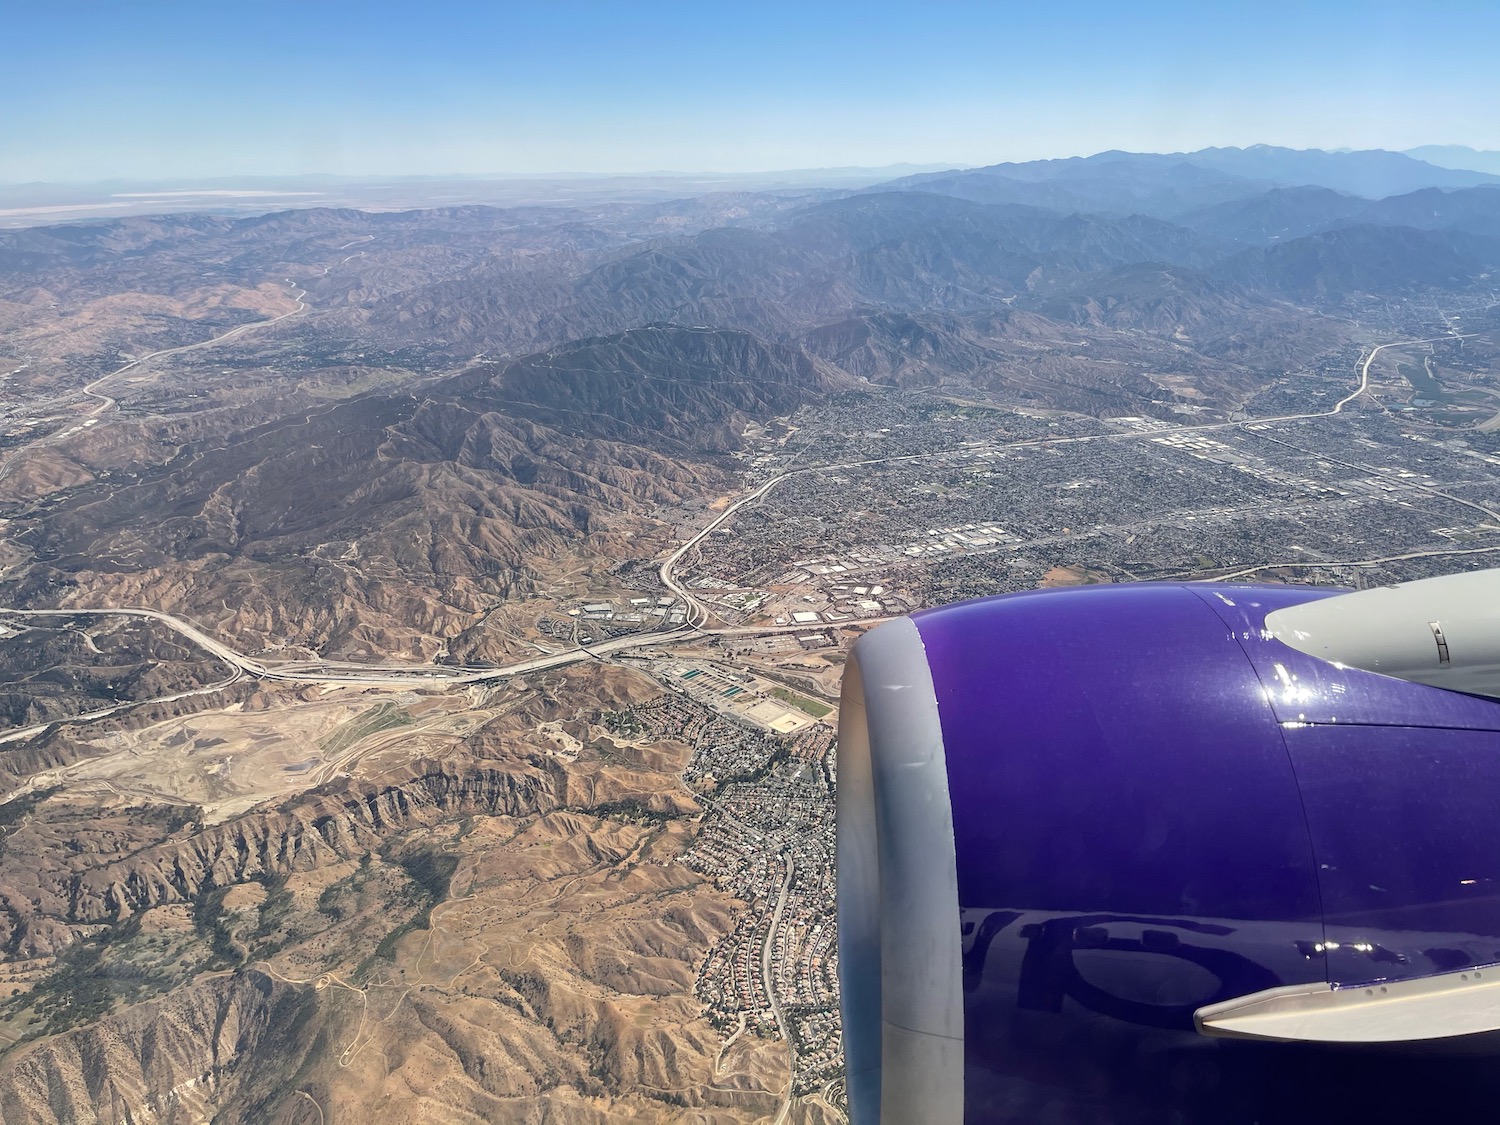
<point x="107" y="402"/>
<point x="698" y="614"/>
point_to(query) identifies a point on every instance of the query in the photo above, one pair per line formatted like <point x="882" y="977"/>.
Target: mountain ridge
<point x="1170" y="184"/>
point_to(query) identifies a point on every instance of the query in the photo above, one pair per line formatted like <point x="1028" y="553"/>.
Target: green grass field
<point x="802" y="703"/>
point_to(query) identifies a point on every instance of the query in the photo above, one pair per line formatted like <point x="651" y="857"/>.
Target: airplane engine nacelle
<point x="1160" y="852"/>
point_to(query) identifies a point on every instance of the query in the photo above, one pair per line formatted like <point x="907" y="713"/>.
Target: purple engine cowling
<point x="1071" y="821"/>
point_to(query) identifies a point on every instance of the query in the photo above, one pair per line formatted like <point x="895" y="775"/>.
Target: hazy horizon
<point x="383" y="89"/>
<point x="29" y="204"/>
<point x="212" y="181"/>
<point x="899" y="166"/>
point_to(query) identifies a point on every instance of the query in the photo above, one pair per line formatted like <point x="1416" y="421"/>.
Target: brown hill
<point x="393" y="520"/>
<point x="501" y="934"/>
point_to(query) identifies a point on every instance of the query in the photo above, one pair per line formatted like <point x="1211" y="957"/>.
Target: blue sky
<point x="162" y="89"/>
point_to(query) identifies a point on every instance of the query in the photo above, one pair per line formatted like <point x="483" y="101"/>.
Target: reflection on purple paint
<point x="1158" y="806"/>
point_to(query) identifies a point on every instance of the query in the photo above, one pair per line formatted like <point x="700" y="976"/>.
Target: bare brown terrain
<point x="59" y="667"/>
<point x="535" y="937"/>
<point x="436" y="819"/>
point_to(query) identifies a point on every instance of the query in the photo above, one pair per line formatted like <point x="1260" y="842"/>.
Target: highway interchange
<point x="700" y="620"/>
<point x="699" y="616"/>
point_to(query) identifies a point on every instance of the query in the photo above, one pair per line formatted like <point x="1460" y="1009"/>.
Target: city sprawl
<point x="422" y="630"/>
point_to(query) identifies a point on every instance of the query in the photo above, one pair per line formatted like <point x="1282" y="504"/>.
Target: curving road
<point x="90" y="716"/>
<point x="337" y="672"/>
<point x="1303" y="564"/>
<point x="1364" y="373"/>
<point x="1364" y="376"/>
<point x="767" y="955"/>
<point x="108" y="403"/>
<point x="698" y="614"/>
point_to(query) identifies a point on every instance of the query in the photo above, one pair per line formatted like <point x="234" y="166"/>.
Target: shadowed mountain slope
<point x="1362" y="258"/>
<point x="898" y="250"/>
<point x="684" y="390"/>
<point x="422" y="507"/>
<point x="1276" y="215"/>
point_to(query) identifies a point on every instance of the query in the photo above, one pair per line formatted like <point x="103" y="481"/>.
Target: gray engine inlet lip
<point x="900" y="949"/>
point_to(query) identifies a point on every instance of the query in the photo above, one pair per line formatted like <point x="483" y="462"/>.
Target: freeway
<point x="1364" y="375"/>
<point x="242" y="666"/>
<point x="698" y="615"/>
<point x="337" y="672"/>
<point x="1304" y="565"/>
<point x="372" y="675"/>
<point x="1482" y="509"/>
<point x="21" y="733"/>
<point x="697" y="612"/>
<point x="107" y="402"/>
<point x="223" y="652"/>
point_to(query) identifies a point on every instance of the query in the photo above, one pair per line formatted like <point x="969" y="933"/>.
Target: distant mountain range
<point x="917" y="252"/>
<point x="1163" y="185"/>
<point x="1168" y="185"/>
<point x="1458" y="156"/>
<point x="341" y="434"/>
<point x="780" y="267"/>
